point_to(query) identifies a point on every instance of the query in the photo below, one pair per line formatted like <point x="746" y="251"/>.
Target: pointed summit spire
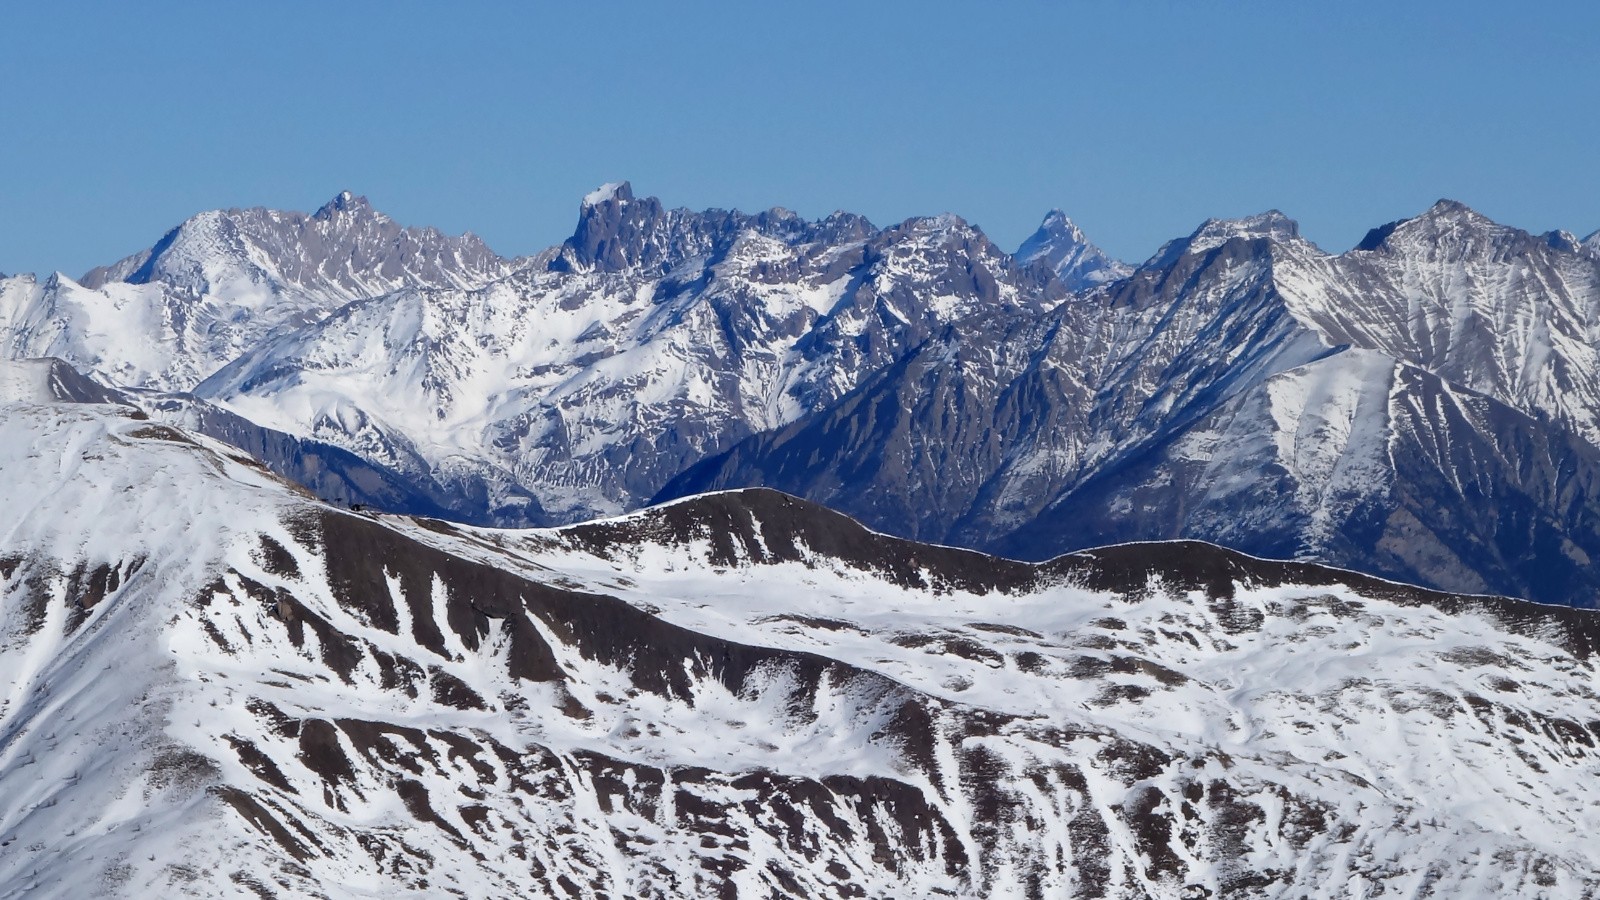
<point x="1060" y="244"/>
<point x="343" y="202"/>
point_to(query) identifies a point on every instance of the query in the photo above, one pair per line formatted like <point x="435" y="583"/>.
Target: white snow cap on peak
<point x="612" y="190"/>
<point x="1213" y="233"/>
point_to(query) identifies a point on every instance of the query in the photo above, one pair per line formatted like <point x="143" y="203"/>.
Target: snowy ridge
<point x="223" y="282"/>
<point x="656" y="338"/>
<point x="307" y="702"/>
<point x="1592" y="243"/>
<point x="49" y="381"/>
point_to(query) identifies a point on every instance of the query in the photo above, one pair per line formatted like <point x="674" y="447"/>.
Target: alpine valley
<point x="724" y="554"/>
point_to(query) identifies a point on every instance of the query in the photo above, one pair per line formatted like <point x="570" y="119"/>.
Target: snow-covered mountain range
<point x="1425" y="406"/>
<point x="217" y="685"/>
<point x="224" y="282"/>
<point x="1422" y="406"/>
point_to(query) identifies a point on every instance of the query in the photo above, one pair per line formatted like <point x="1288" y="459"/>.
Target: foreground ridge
<point x="219" y="684"/>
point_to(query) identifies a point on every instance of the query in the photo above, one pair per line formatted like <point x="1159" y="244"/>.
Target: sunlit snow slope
<point x="215" y="685"/>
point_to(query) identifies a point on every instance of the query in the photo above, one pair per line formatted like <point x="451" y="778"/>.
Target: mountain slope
<point x="218" y="686"/>
<point x="652" y="339"/>
<point x="1362" y="461"/>
<point x="1490" y="308"/>
<point x="997" y="419"/>
<point x="223" y="282"/>
<point x="1215" y="394"/>
<point x="915" y="376"/>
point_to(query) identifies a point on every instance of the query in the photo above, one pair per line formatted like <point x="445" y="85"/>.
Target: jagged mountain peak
<point x="227" y="279"/>
<point x="1446" y="219"/>
<point x="1562" y="240"/>
<point x="1060" y="244"/>
<point x="1591" y="243"/>
<point x="346" y="202"/>
<point x="617" y="230"/>
<point x="346" y="241"/>
<point x="940" y="227"/>
<point x="946" y="221"/>
<point x="1271" y="226"/>
<point x="1055" y="223"/>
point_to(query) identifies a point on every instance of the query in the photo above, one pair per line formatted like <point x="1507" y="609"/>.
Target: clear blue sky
<point x="1140" y="119"/>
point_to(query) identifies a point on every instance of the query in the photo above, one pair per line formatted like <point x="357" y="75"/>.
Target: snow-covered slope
<point x="996" y="420"/>
<point x="1485" y="306"/>
<point x="652" y="339"/>
<point x="219" y="686"/>
<point x="1061" y="245"/>
<point x="223" y="282"/>
<point x="49" y="381"/>
<point x="1366" y="461"/>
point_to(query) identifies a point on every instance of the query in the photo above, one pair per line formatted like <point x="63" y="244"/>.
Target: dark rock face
<point x="51" y="380"/>
<point x="1244" y="388"/>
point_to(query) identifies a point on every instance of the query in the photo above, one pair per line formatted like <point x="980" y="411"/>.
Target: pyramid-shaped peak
<point x="344" y="202"/>
<point x="1443" y="216"/>
<point x="1454" y="212"/>
<point x="1057" y="224"/>
<point x="1445" y="207"/>
<point x="1061" y="244"/>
